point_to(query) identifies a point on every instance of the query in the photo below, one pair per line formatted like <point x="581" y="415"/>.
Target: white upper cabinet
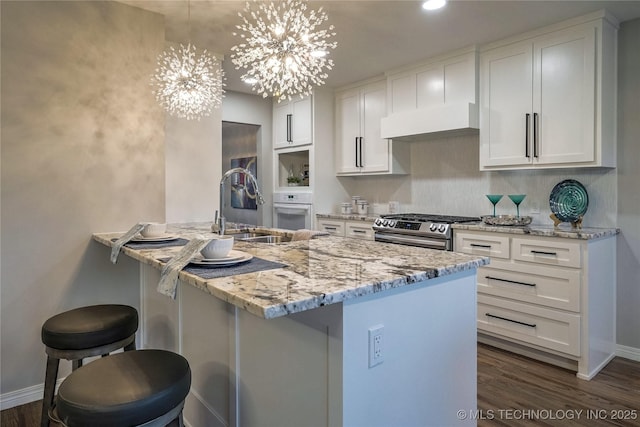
<point x="437" y="96"/>
<point x="359" y="147"/>
<point x="548" y="101"/>
<point x="292" y="123"/>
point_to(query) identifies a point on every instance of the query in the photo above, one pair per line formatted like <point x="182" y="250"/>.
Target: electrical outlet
<point x="376" y="345"/>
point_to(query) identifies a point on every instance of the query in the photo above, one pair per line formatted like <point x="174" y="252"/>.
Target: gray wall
<point x="445" y="178"/>
<point x="82" y="151"/>
<point x="192" y="150"/>
<point x="628" y="182"/>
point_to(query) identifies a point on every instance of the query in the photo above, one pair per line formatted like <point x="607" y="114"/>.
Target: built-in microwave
<point x="293" y="210"/>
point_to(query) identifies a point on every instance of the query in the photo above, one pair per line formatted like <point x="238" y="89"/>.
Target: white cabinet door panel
<point x="506" y="105"/>
<point x="280" y="125"/>
<point x="459" y="81"/>
<point x="375" y="150"/>
<point x="564" y="97"/>
<point x="430" y="88"/>
<point x="301" y="122"/>
<point x="402" y="96"/>
<point x="348" y="113"/>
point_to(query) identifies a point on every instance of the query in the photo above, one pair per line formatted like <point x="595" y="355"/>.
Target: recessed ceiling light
<point x="433" y="4"/>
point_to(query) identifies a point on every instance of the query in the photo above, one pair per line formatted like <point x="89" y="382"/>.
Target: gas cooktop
<point x="418" y="217"/>
<point x="431" y="226"/>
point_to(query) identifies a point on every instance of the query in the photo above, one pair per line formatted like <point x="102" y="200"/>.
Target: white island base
<point x="312" y="368"/>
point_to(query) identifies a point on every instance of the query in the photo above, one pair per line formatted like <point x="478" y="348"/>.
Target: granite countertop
<point x="563" y="230"/>
<point x="350" y="217"/>
<point x="320" y="271"/>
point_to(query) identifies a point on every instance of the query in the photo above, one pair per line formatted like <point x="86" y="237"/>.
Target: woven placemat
<point x="254" y="265"/>
<point x="155" y="245"/>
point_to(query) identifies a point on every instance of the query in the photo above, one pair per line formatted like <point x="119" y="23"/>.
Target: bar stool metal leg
<point x="49" y="389"/>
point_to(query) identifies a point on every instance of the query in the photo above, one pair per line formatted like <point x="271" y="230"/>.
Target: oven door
<point x="409" y="240"/>
<point x="292" y="216"/>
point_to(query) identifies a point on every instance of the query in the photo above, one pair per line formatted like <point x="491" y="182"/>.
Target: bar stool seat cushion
<point x="90" y="326"/>
<point x="124" y="389"/>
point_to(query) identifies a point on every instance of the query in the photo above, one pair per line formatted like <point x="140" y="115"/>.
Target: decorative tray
<point x="568" y="202"/>
<point x="507" y="220"/>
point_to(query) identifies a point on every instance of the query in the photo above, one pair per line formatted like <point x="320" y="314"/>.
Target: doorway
<point x="239" y="148"/>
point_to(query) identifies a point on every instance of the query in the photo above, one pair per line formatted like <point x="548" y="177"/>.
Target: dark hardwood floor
<point x="514" y="391"/>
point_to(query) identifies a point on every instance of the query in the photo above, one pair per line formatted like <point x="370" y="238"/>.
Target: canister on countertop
<point x="345" y="208"/>
<point x="363" y="206"/>
<point x="354" y="203"/>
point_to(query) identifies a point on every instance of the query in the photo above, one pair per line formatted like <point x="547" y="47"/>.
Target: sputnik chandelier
<point x="284" y="52"/>
<point x="187" y="84"/>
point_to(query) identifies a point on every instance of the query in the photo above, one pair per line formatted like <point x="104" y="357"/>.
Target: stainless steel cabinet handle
<point x="531" y="325"/>
<point x="544" y="253"/>
<point x="356" y="144"/>
<point x="361" y="165"/>
<point x="358" y="231"/>
<point x="330" y="228"/>
<point x="477" y="245"/>
<point x="289" y="136"/>
<point x="535" y="135"/>
<point x="509" y="281"/>
<point x="526" y="135"/>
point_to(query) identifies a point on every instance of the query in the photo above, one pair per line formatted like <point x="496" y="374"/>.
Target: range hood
<point x="428" y="123"/>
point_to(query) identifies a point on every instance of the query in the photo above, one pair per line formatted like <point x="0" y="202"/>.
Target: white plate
<point x="231" y="256"/>
<point x="235" y="257"/>
<point x="165" y="238"/>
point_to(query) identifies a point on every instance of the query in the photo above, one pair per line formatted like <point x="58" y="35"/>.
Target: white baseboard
<point x="24" y="396"/>
<point x="631" y="353"/>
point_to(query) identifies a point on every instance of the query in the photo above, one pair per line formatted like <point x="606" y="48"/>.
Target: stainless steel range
<point x="424" y="230"/>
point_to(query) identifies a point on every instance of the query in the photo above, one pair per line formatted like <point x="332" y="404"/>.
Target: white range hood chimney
<point x="426" y="123"/>
<point x="436" y="98"/>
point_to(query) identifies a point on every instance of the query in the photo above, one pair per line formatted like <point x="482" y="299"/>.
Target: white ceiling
<point x="375" y="36"/>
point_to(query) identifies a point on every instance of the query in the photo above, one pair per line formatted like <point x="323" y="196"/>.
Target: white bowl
<point x="219" y="247"/>
<point x="154" y="229"/>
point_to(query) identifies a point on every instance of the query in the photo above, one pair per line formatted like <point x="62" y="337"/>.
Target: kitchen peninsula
<point x="296" y="345"/>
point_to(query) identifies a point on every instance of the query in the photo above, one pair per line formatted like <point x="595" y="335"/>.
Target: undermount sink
<point x="259" y="237"/>
<point x="266" y="239"/>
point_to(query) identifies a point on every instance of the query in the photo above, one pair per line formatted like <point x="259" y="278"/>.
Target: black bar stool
<point x="135" y="388"/>
<point x="84" y="332"/>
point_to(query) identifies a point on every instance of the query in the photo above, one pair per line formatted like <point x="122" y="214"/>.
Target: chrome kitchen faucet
<point x="220" y="221"/>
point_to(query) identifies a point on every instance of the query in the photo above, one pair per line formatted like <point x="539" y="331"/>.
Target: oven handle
<point x="292" y="209"/>
<point x="408" y="240"/>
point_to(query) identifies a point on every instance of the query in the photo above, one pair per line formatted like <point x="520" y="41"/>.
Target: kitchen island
<point x="291" y="346"/>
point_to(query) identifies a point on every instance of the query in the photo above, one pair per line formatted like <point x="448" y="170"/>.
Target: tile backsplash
<point x="445" y="178"/>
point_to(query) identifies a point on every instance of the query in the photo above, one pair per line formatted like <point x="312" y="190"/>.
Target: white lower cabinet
<point x="552" y="329"/>
<point x="546" y="297"/>
<point x="355" y="229"/>
<point x="359" y="230"/>
<point x="332" y="226"/>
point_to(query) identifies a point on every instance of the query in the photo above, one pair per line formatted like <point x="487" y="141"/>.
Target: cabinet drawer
<point x="539" y="326"/>
<point x="359" y="230"/>
<point x="494" y="245"/>
<point x="566" y="254"/>
<point x="548" y="286"/>
<point x="335" y="228"/>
